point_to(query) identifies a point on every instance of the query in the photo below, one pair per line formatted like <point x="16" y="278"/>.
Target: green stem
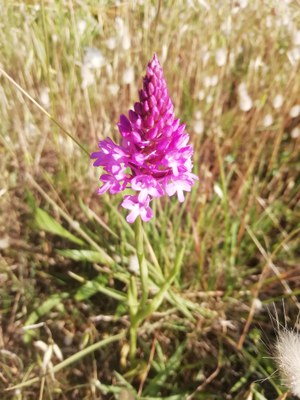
<point x="150" y="308"/>
<point x="139" y="244"/>
<point x="133" y="309"/>
<point x="133" y="340"/>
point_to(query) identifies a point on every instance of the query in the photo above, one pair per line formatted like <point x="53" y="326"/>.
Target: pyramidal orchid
<point x="154" y="157"/>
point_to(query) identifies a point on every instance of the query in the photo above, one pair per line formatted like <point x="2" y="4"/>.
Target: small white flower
<point x="164" y="53"/>
<point x="295" y="132"/>
<point x="4" y="242"/>
<point x="93" y="58"/>
<point x="221" y="57"/>
<point x="278" y="101"/>
<point x="214" y="80"/>
<point x="296" y="38"/>
<point x="209" y="99"/>
<point x="268" y="120"/>
<point x="295" y="111"/>
<point x="54" y="38"/>
<point x="201" y="95"/>
<point x="206" y="81"/>
<point x="210" y="81"/>
<point x="242" y="89"/>
<point x="126" y="42"/>
<point x="257" y="63"/>
<point x="245" y="102"/>
<point x="111" y="43"/>
<point x="44" y="97"/>
<point x="113" y="89"/>
<point x="81" y="26"/>
<point x="87" y="77"/>
<point x="243" y="3"/>
<point x="199" y="127"/>
<point x="294" y="55"/>
<point x="198" y="114"/>
<point x="258" y="305"/>
<point x="288" y="358"/>
<point x="128" y="76"/>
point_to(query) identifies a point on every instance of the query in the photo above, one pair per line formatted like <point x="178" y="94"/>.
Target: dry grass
<point x="240" y="224"/>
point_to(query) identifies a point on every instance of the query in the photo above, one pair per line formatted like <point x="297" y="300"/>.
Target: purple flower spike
<point x="154" y="157"/>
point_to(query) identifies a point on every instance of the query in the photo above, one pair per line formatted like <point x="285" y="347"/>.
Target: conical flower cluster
<point x="154" y="157"/>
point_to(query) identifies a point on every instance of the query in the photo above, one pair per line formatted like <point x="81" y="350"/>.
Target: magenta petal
<point x="104" y="188"/>
<point x="133" y="116"/>
<point x="180" y="196"/>
<point x="148" y="122"/>
<point x="127" y="202"/>
<point x="138" y="108"/>
<point x="146" y="214"/>
<point x="131" y="217"/>
<point x="125" y="122"/>
<point x="152" y="133"/>
<point x="124" y="126"/>
<point x="151" y="88"/>
<point x="95" y="154"/>
<point x="143" y="195"/>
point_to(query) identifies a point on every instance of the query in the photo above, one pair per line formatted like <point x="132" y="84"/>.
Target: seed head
<point x="288" y="358"/>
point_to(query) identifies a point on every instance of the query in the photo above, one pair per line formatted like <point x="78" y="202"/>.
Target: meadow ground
<point x="67" y="254"/>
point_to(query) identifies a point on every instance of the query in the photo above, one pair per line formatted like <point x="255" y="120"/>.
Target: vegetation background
<point x="232" y="68"/>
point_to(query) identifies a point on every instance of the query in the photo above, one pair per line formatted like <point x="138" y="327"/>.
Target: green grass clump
<point x="66" y="253"/>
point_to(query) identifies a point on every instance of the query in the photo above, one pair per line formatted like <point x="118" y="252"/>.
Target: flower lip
<point x="137" y="208"/>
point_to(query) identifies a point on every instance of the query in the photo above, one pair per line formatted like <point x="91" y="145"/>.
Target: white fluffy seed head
<point x="296" y="38"/>
<point x="277" y="101"/>
<point x="295" y="133"/>
<point x="288" y="359"/>
<point x="128" y="76"/>
<point x="245" y="103"/>
<point x="93" y="58"/>
<point x="81" y="26"/>
<point x="199" y="127"/>
<point x="221" y="57"/>
<point x="295" y="111"/>
<point x="268" y="120"/>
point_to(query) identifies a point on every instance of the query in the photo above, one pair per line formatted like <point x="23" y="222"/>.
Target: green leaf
<point x="150" y="308"/>
<point x="160" y="379"/>
<point x="87" y="255"/>
<point x="92" y="287"/>
<point x="47" y="223"/>
<point x="42" y="310"/>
